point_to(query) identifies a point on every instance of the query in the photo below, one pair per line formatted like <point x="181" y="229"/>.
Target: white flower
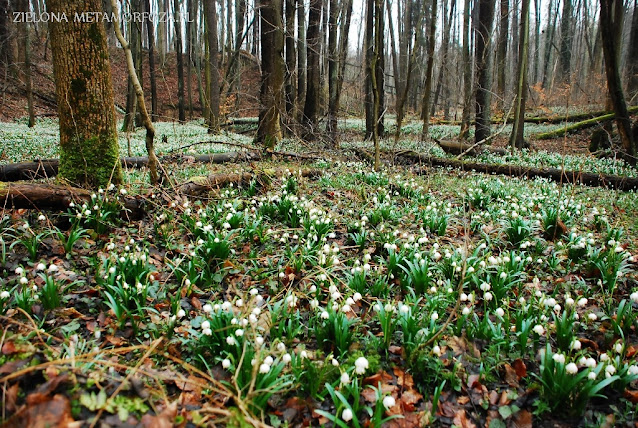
<point x="286" y="358"/>
<point x="281" y="347"/>
<point x="259" y="340"/>
<point x="346" y="415"/>
<point x="41" y="266"/>
<point x="205" y="325"/>
<point x="618" y="347"/>
<point x="303" y="354"/>
<point x="226" y="363"/>
<point x="436" y="350"/>
<point x="633" y="370"/>
<point x="604" y="357"/>
<point x="559" y="358"/>
<point x="634" y="296"/>
<point x="582" y="301"/>
<point x="610" y="370"/>
<point x="539" y="329"/>
<point x="239" y="332"/>
<point x="23" y="280"/>
<point x="576" y="345"/>
<point x="123" y="191"/>
<point x="41" y="217"/>
<point x="591" y="375"/>
<point x="345" y="378"/>
<point x="231" y="340"/>
<point x="361" y="365"/>
<point x="591" y="363"/>
<point x="207" y="308"/>
<point x="388" y="402"/>
<point x="5" y="294"/>
<point x="269" y="360"/>
<point x="434" y="316"/>
<point x="500" y="312"/>
<point x="592" y="316"/>
<point x="466" y="311"/>
<point x="264" y="368"/>
<point x="53" y="268"/>
<point x="488" y="296"/>
<point x="571" y="368"/>
<point x="207" y="331"/>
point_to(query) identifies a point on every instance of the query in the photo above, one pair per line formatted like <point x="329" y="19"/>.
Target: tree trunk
<point x="566" y="41"/>
<point x="313" y="46"/>
<point x="343" y="48"/>
<point x="24" y="39"/>
<point x="180" y="62"/>
<point x="89" y="151"/>
<point x="189" y="57"/>
<point x="467" y="73"/>
<point x="272" y="73"/>
<point x="210" y="12"/>
<point x="369" y="58"/>
<point x="611" y="14"/>
<point x="301" y="57"/>
<point x="442" y="81"/>
<point x="333" y="70"/>
<point x="150" y="31"/>
<point x="501" y="52"/>
<point x="377" y="87"/>
<point x="550" y="30"/>
<point x="516" y="139"/>
<point x="537" y="39"/>
<point x="483" y="47"/>
<point x="632" y="55"/>
<point x="425" y="104"/>
<point x="136" y="49"/>
<point x="139" y="93"/>
<point x="291" y="61"/>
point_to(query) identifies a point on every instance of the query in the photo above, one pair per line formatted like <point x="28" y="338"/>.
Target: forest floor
<point x="321" y="292"/>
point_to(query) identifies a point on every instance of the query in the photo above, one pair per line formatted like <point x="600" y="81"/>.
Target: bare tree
<point x="517" y="139"/>
<point x="313" y="85"/>
<point x="467" y="73"/>
<point x="611" y="18"/>
<point x="210" y="15"/>
<point x="272" y="72"/>
<point x="484" y="81"/>
<point x="179" y="46"/>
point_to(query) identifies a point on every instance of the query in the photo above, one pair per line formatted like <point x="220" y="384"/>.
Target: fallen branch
<point x="462" y="149"/>
<point x="198" y="186"/>
<point x="56" y="197"/>
<point x="579" y="125"/>
<point x="554" y="174"/>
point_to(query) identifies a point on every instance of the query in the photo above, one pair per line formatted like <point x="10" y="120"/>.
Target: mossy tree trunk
<point x="272" y="73"/>
<point x="89" y="151"/>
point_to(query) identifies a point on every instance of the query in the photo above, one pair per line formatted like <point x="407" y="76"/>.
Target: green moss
<point x="92" y="163"/>
<point x="78" y="86"/>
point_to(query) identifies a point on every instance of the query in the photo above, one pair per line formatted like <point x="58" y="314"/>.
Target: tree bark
<point x="272" y="73"/>
<point x="150" y="31"/>
<point x="210" y="12"/>
<point x="632" y="55"/>
<point x="517" y="139"/>
<point x="611" y="15"/>
<point x="484" y="81"/>
<point x="24" y="38"/>
<point x="301" y="57"/>
<point x="501" y="52"/>
<point x="425" y="104"/>
<point x="180" y="62"/>
<point x="313" y="46"/>
<point x="291" y="61"/>
<point x="467" y="73"/>
<point x="89" y="151"/>
<point x="550" y="31"/>
<point x="136" y="50"/>
<point x="566" y="41"/>
<point x="139" y="93"/>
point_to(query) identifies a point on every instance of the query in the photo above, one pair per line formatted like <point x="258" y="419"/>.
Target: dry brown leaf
<point x="511" y="378"/>
<point x="522" y="419"/>
<point x="631" y="396"/>
<point x="461" y="420"/>
<point x="457" y="344"/>
<point x="520" y="368"/>
<point x="165" y="419"/>
<point x="52" y="413"/>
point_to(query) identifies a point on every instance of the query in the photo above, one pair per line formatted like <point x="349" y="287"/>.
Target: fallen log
<point x="198" y="186"/>
<point x="579" y="125"/>
<point x="554" y="174"/>
<point x="459" y="148"/>
<point x="48" y="168"/>
<point x="57" y="198"/>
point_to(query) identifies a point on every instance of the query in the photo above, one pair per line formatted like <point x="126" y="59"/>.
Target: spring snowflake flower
<point x="231" y="340"/>
<point x="207" y="308"/>
<point x="286" y="358"/>
<point x="633" y="370"/>
<point x="181" y="313"/>
<point x="226" y="363"/>
<point x="5" y="294"/>
<point x="634" y="296"/>
<point x="500" y="312"/>
<point x="389" y="402"/>
<point x="434" y="316"/>
<point x="571" y="368"/>
<point x="610" y="370"/>
<point x="361" y="365"/>
<point x="264" y="368"/>
<point x="345" y="378"/>
<point x="591" y="375"/>
<point x="539" y="329"/>
<point x="576" y="345"/>
<point x="346" y="415"/>
<point x="618" y="347"/>
<point x="559" y="358"/>
<point x="436" y="350"/>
